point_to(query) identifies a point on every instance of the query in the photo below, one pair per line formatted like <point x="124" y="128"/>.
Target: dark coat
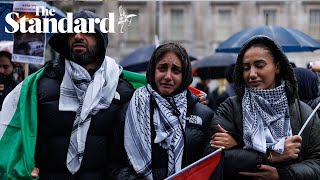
<point x="54" y="130"/>
<point x="237" y="159"/>
<point x="9" y="85"/>
<point x="197" y="138"/>
<point x="313" y="103"/>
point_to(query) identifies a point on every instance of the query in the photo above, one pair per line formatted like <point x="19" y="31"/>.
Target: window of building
<point x="224" y="25"/>
<point x="133" y="28"/>
<point x="177" y="21"/>
<point x="270" y="17"/>
<point x="314" y="23"/>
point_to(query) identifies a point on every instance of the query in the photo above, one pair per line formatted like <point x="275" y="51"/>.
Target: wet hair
<point x="6" y="54"/>
<point x="279" y="58"/>
<point x="182" y="54"/>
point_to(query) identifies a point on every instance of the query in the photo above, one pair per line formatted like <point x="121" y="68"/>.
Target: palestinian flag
<point x="18" y="130"/>
<point x="209" y="166"/>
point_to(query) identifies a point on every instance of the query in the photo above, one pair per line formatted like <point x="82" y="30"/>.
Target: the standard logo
<point x="40" y="23"/>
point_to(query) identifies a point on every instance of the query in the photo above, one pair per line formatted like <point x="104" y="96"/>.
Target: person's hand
<point x="35" y="172"/>
<point x="266" y="173"/>
<point x="291" y="149"/>
<point x="202" y="98"/>
<point x="222" y="139"/>
<point x="315" y="66"/>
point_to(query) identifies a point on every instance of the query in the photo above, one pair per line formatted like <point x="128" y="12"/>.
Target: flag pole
<point x="26" y="70"/>
<point x="309" y="118"/>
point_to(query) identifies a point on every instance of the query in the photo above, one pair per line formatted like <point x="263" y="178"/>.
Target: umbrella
<point x="290" y="40"/>
<point x="138" y="60"/>
<point x="6" y="7"/>
<point x="214" y="66"/>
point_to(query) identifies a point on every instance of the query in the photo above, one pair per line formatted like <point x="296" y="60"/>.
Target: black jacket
<point x="197" y="138"/>
<point x="313" y="103"/>
<point x="237" y="159"/>
<point x="54" y="130"/>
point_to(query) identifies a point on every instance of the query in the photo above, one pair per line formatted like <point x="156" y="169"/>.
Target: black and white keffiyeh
<point x="86" y="96"/>
<point x="266" y="121"/>
<point x="137" y="133"/>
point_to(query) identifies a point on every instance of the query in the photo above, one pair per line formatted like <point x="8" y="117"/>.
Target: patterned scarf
<point x="86" y="96"/>
<point x="266" y="121"/>
<point x="137" y="134"/>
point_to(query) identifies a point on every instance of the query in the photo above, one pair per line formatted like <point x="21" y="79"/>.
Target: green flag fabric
<point x="137" y="80"/>
<point x="18" y="130"/>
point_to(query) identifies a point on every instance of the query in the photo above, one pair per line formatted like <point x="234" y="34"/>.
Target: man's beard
<point x="92" y="55"/>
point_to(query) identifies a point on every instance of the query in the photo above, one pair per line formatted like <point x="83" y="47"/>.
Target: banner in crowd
<point x="28" y="47"/>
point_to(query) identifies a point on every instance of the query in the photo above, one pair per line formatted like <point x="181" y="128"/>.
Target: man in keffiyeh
<point x="80" y="102"/>
<point x="165" y="127"/>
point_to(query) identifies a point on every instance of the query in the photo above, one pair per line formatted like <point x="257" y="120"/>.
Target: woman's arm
<point x="236" y="159"/>
<point x="222" y="139"/>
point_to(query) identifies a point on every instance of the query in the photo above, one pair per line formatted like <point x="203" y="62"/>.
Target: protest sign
<point x="28" y="47"/>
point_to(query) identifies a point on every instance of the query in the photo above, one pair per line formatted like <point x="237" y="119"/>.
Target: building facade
<point x="200" y="26"/>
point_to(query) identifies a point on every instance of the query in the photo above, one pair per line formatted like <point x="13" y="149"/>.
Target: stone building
<point x="200" y="25"/>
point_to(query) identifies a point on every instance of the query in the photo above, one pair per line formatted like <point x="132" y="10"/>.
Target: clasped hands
<point x="223" y="140"/>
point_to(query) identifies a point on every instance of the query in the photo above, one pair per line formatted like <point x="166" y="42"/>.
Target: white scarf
<point x="86" y="96"/>
<point x="137" y="132"/>
<point x="266" y="120"/>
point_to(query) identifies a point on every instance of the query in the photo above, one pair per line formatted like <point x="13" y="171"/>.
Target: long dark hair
<point x="278" y="56"/>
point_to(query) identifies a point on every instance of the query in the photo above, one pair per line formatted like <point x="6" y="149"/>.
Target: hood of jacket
<point x="307" y="83"/>
<point x="58" y="41"/>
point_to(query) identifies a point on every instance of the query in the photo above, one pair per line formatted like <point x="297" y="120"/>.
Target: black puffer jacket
<point x="197" y="138"/>
<point x="54" y="130"/>
<point x="306" y="167"/>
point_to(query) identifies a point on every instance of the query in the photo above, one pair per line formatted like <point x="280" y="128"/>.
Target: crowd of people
<point x="92" y="124"/>
<point x="11" y="73"/>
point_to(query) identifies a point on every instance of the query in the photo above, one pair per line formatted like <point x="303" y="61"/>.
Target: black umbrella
<point x="214" y="66"/>
<point x="138" y="60"/>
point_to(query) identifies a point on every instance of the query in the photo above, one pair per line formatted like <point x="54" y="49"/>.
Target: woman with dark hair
<point x="259" y="127"/>
<point x="308" y="87"/>
<point x="166" y="128"/>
